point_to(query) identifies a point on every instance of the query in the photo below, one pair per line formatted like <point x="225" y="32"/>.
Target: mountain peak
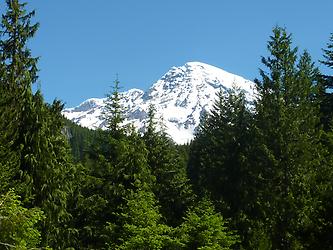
<point x="180" y="98"/>
<point x="197" y="64"/>
<point x="203" y="66"/>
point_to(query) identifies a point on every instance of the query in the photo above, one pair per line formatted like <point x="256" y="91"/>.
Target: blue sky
<point x="84" y="44"/>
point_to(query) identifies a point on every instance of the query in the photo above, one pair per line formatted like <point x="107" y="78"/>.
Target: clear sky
<point x="84" y="44"/>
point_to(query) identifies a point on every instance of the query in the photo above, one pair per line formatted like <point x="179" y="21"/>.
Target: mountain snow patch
<point x="180" y="97"/>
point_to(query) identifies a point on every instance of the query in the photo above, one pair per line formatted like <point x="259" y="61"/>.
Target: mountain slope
<point x="180" y="97"/>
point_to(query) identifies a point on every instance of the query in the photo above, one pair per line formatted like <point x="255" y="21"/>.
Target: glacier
<point x="181" y="97"/>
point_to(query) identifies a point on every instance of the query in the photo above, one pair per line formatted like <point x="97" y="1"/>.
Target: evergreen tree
<point x="327" y="85"/>
<point x="141" y="223"/>
<point x="127" y="172"/>
<point x="328" y="53"/>
<point x="115" y="168"/>
<point x="220" y="164"/>
<point x="89" y="206"/>
<point x="125" y="149"/>
<point x="172" y="187"/>
<point x="18" y="71"/>
<point x="318" y="233"/>
<point x="203" y="228"/>
<point x="113" y="112"/>
<point x="289" y="149"/>
<point x="80" y="139"/>
<point x="38" y="154"/>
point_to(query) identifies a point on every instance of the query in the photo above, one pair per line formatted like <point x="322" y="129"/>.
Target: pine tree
<point x="90" y="205"/>
<point x="125" y="149"/>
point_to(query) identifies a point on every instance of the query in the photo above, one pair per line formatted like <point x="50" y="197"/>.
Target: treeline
<point x="257" y="175"/>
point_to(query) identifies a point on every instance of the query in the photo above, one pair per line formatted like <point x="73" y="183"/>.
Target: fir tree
<point x="38" y="154"/>
<point x="219" y="163"/>
<point x="318" y="233"/>
<point x="115" y="168"/>
<point x="203" y="228"/>
<point x="141" y="223"/>
<point x="327" y="85"/>
<point x="80" y="139"/>
<point x="172" y="187"/>
<point x="289" y="149"/>
<point x="113" y="112"/>
<point x="328" y="53"/>
<point x="18" y="71"/>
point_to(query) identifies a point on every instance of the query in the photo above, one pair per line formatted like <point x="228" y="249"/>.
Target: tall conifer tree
<point x="319" y="232"/>
<point x="219" y="163"/>
<point x="204" y="228"/>
<point x="327" y="86"/>
<point x="113" y="112"/>
<point x="172" y="187"/>
<point x="18" y="71"/>
<point x="117" y="167"/>
<point x="287" y="121"/>
<point x="33" y="129"/>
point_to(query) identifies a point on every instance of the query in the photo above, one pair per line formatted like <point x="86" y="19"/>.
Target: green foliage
<point x="327" y="86"/>
<point x="17" y="72"/>
<point x="220" y="163"/>
<point x="172" y="188"/>
<point x="203" y="228"/>
<point x="80" y="139"/>
<point x="16" y="29"/>
<point x="39" y="165"/>
<point x="268" y="169"/>
<point x="141" y="226"/>
<point x="129" y="164"/>
<point x="113" y="112"/>
<point x="116" y="166"/>
<point x="259" y="237"/>
<point x="290" y="149"/>
<point x="89" y="209"/>
<point x="328" y="53"/>
<point x="319" y="232"/>
<point x="18" y="225"/>
<point x="217" y="155"/>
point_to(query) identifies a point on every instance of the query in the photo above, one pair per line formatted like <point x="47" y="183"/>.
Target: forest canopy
<point x="255" y="176"/>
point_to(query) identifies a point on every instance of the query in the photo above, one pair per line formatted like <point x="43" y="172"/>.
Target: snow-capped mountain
<point x="180" y="97"/>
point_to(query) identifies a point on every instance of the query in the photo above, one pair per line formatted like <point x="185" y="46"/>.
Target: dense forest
<point x="256" y="176"/>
